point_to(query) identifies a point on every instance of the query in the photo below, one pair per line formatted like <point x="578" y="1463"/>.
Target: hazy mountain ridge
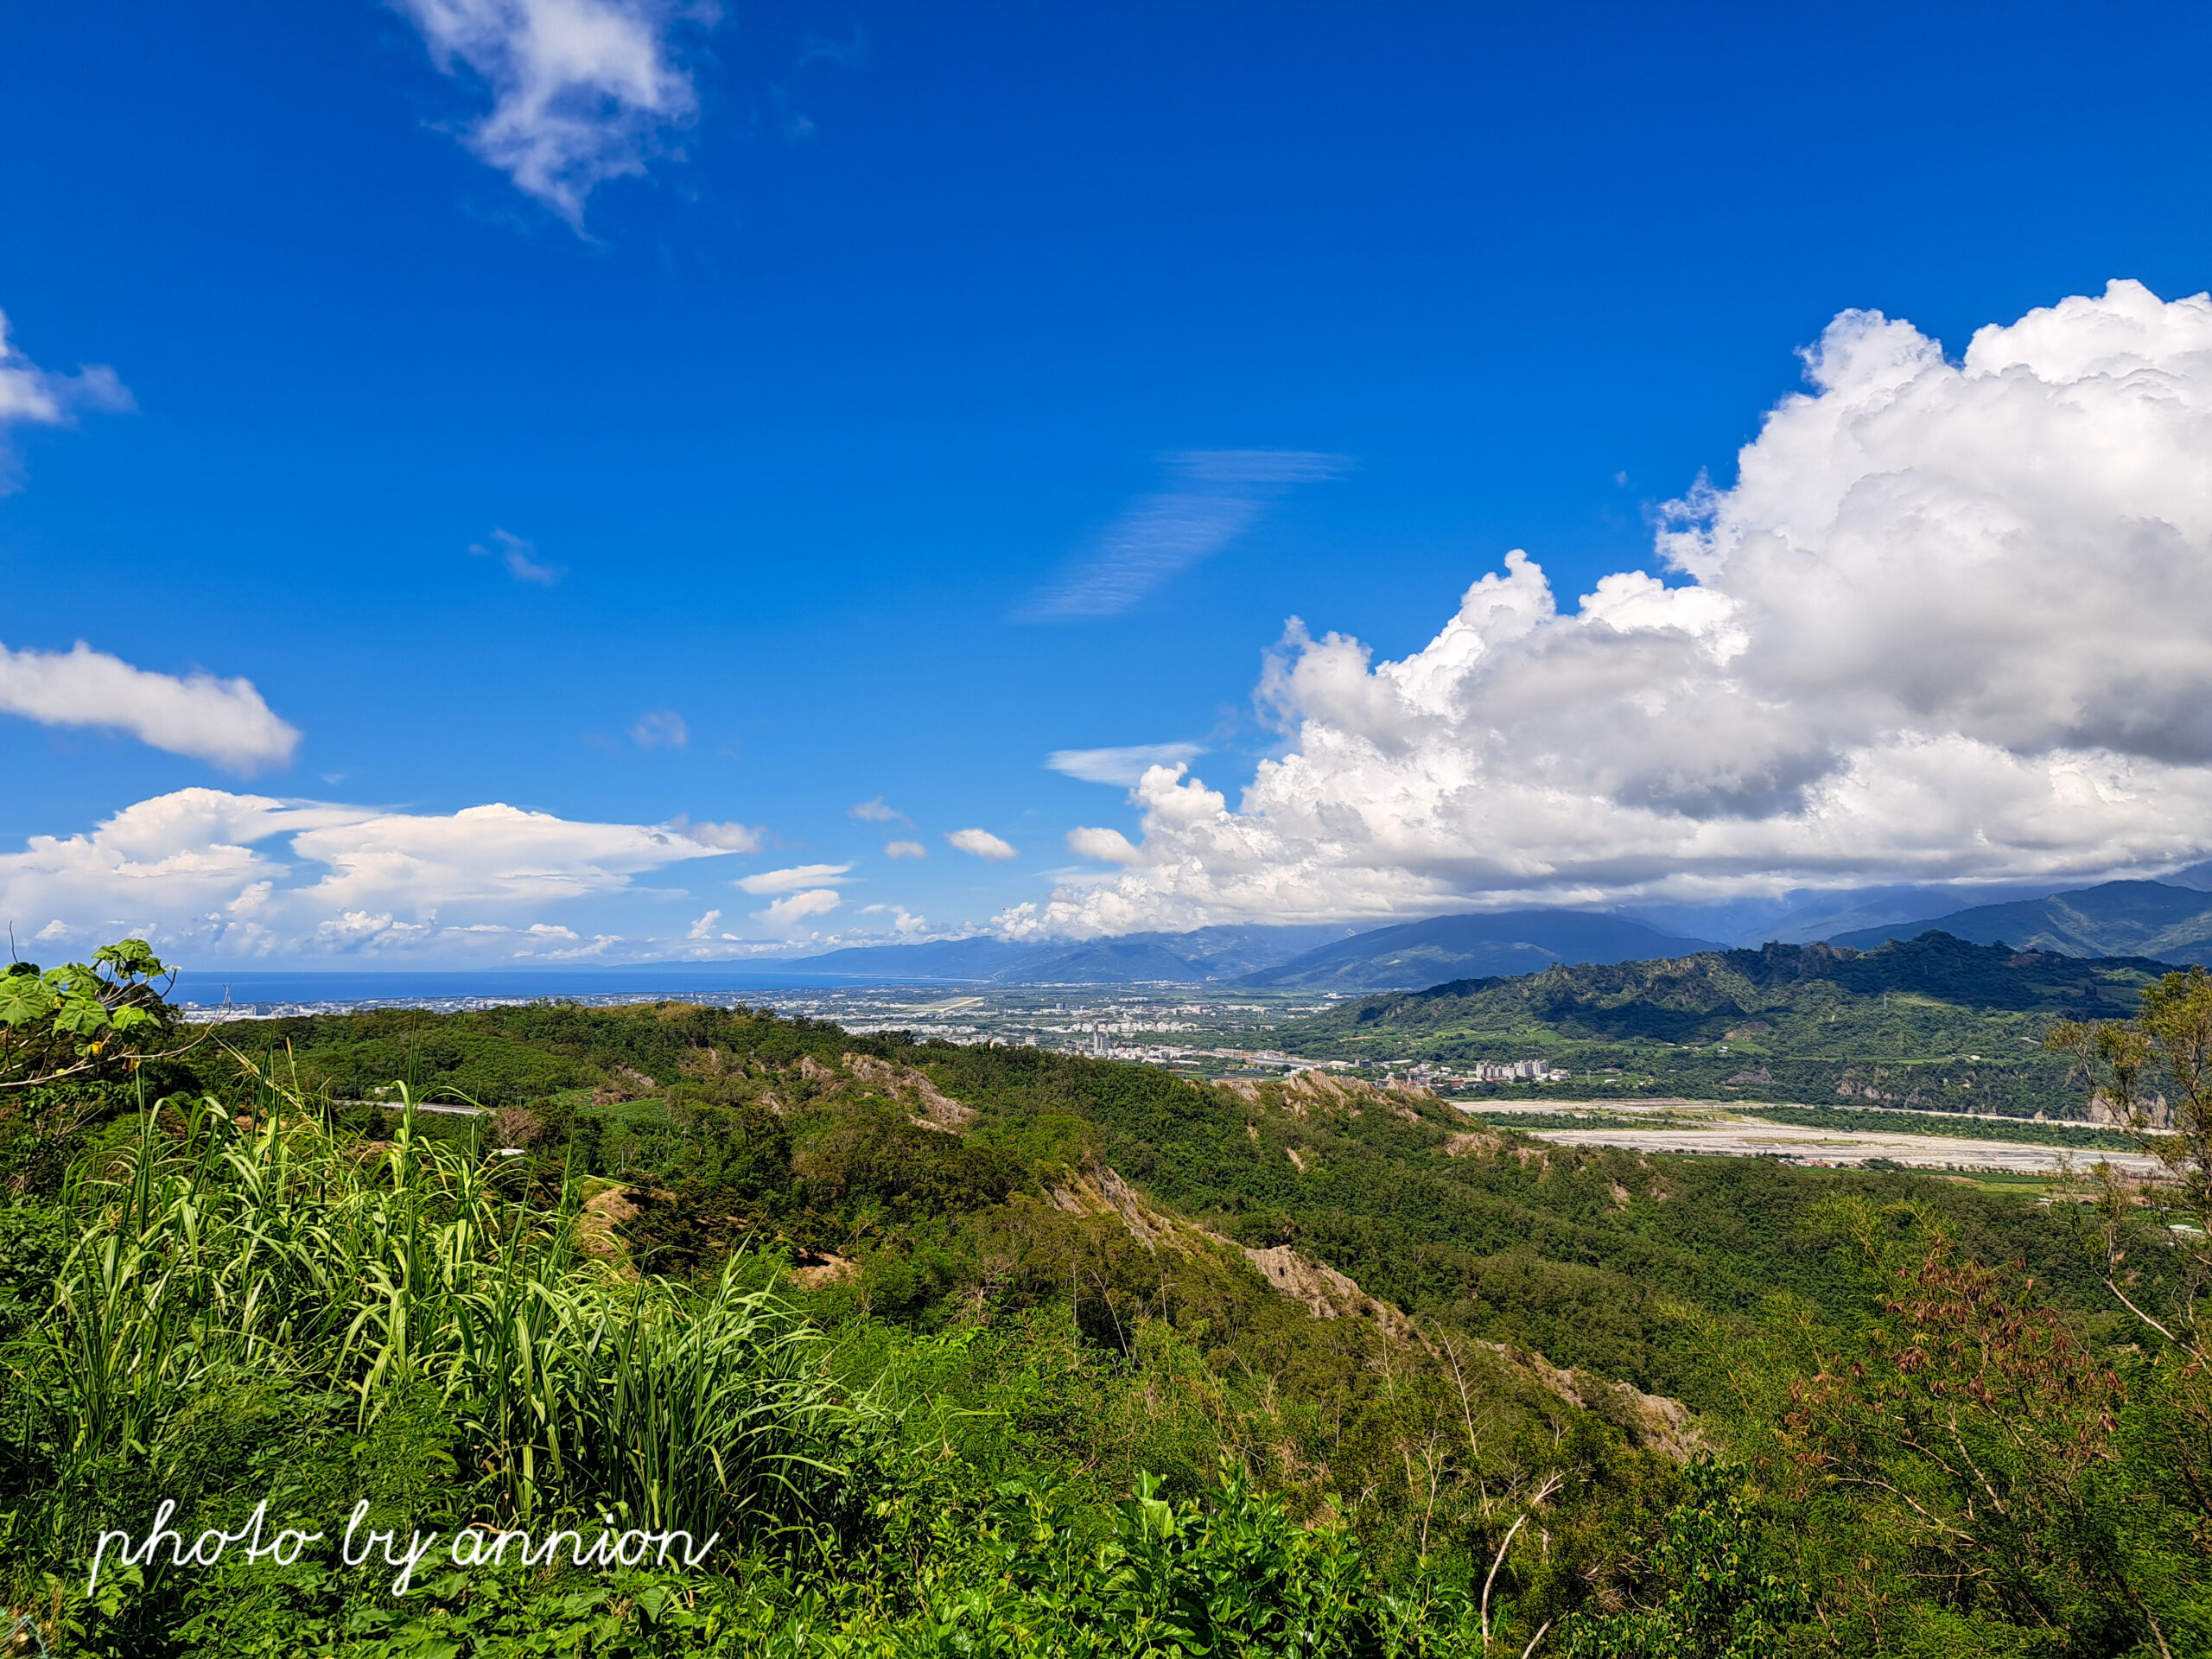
<point x="1311" y="957"/>
<point x="2160" y="919"/>
<point x="1496" y="944"/>
<point x="1205" y="954"/>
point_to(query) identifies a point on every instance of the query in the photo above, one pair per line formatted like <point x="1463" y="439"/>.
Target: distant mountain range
<point x="1208" y="954"/>
<point x="2167" y="920"/>
<point x="2170" y="920"/>
<point x="2119" y="918"/>
<point x="1302" y="958"/>
<point x="1501" y="943"/>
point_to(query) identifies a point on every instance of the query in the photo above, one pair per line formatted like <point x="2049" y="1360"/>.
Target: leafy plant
<point x="1720" y="1593"/>
<point x="81" y="1017"/>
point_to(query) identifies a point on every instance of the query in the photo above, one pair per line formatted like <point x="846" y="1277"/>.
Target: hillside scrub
<point x="984" y="1349"/>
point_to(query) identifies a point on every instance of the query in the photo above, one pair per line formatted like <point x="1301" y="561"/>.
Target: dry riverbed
<point x="1724" y="1130"/>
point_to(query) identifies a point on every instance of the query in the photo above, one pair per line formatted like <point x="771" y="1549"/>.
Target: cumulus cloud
<point x="982" y="843"/>
<point x="876" y="811"/>
<point x="905" y="849"/>
<point x="799" y="875"/>
<point x="30" y="395"/>
<point x="224" y="722"/>
<point x="704" y="927"/>
<point x="583" y="91"/>
<point x="211" y="873"/>
<point x="1949" y="624"/>
<point x="788" y="912"/>
<point x="1108" y="846"/>
<point x="1124" y="765"/>
<point x="519" y="557"/>
<point x="1217" y="495"/>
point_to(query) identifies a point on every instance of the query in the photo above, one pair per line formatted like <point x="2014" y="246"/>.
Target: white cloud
<point x="583" y="91"/>
<point x="786" y="913"/>
<point x="799" y="875"/>
<point x="982" y="843"/>
<point x="660" y="728"/>
<point x="1124" y="766"/>
<point x="225" y="721"/>
<point x="903" y="923"/>
<point x="724" y="838"/>
<point x="30" y="395"/>
<point x="207" y="873"/>
<point x="1950" y="624"/>
<point x="1108" y="846"/>
<point x="1218" y="494"/>
<point x="519" y="557"/>
<point x="876" y="811"/>
<point x="704" y="927"/>
<point x="905" y="849"/>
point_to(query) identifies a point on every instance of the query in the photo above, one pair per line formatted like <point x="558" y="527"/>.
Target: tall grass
<point x="277" y="1252"/>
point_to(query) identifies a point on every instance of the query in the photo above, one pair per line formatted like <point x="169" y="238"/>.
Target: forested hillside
<point x="991" y="1350"/>
<point x="1931" y="1022"/>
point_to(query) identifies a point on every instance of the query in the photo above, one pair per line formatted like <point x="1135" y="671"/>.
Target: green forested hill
<point x="1532" y="1244"/>
<point x="1933" y="1021"/>
<point x="1380" y="1380"/>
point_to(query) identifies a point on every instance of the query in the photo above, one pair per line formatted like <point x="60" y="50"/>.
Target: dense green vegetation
<point x="1932" y="1023"/>
<point x="984" y="1349"/>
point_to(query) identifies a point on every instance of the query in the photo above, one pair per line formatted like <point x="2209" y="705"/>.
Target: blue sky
<point x="946" y="388"/>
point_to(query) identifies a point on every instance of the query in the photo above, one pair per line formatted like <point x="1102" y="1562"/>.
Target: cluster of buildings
<point x="1491" y="1072"/>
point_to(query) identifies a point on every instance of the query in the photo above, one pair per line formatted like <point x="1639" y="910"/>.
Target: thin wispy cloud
<point x="726" y="837"/>
<point x="660" y="728"/>
<point x="519" y="557"/>
<point x="1122" y="765"/>
<point x="876" y="811"/>
<point x="583" y="91"/>
<point x="790" y="880"/>
<point x="30" y="395"/>
<point x="1216" y="496"/>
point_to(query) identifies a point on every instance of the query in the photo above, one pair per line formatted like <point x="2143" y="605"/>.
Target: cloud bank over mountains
<point x="216" y="874"/>
<point x="1950" y="623"/>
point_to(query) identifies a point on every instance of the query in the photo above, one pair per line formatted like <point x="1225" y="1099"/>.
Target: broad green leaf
<point x="24" y="997"/>
<point x="81" y="1016"/>
<point x="74" y="979"/>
